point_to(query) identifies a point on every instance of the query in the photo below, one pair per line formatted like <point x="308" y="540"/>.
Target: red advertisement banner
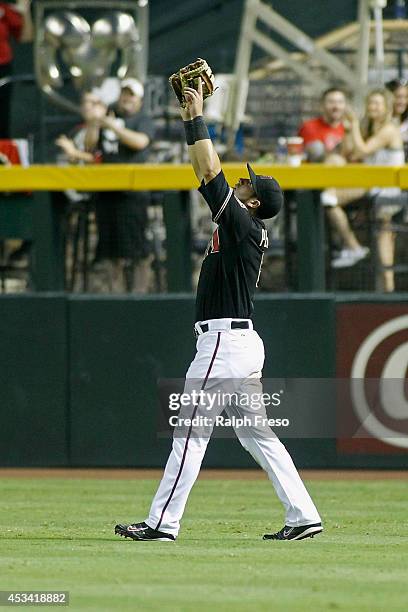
<point x="372" y="351"/>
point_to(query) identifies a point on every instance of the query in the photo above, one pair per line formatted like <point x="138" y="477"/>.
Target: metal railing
<point x="175" y="181"/>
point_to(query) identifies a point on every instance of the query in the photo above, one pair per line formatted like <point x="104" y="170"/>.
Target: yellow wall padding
<point x="111" y="177"/>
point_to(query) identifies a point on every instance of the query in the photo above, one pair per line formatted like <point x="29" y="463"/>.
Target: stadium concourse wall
<point x="78" y="377"/>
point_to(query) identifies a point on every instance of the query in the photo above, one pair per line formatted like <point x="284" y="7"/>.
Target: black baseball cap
<point x="268" y="192"/>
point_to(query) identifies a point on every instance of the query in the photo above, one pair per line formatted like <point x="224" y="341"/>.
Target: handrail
<point x="17" y="78"/>
<point x="163" y="177"/>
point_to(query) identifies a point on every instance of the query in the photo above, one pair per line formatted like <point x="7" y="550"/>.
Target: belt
<point x="221" y="325"/>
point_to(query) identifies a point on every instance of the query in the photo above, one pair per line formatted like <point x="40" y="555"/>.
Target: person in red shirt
<point x="15" y="21"/>
<point x="323" y="134"/>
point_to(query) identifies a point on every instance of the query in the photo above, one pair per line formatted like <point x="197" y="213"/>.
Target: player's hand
<point x="194" y="99"/>
<point x="185" y="114"/>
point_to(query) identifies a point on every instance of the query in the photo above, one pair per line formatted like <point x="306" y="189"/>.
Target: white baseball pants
<point x="236" y="357"/>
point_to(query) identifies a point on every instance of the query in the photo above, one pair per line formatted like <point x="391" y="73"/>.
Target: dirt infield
<point x="140" y="474"/>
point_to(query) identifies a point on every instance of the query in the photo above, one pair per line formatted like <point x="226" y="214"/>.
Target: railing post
<point x="310" y="230"/>
<point x="48" y="255"/>
<point x="178" y="240"/>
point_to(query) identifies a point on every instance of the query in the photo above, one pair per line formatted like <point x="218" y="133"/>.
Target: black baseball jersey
<point x="233" y="259"/>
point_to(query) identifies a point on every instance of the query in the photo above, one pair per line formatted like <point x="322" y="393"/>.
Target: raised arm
<point x="203" y="156"/>
<point x="137" y="141"/>
<point x="384" y="138"/>
<point x="189" y="130"/>
<point x="24" y="8"/>
<point x="72" y="152"/>
<point x="381" y="140"/>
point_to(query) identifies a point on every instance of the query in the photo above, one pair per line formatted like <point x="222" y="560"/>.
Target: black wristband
<point x="189" y="130"/>
<point x="200" y="129"/>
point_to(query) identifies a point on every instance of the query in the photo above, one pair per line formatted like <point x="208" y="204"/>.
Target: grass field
<point x="58" y="535"/>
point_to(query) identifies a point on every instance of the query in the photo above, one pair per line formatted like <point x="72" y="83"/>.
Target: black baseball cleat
<point x="295" y="533"/>
<point x="141" y="531"/>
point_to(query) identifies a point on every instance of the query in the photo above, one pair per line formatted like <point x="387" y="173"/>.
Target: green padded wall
<point x="33" y="380"/>
<point x="119" y="347"/>
<point x="78" y="376"/>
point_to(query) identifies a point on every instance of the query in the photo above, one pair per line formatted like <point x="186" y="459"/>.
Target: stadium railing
<point x="176" y="181"/>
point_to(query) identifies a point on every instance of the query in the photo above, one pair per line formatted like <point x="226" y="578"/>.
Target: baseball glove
<point x="188" y="77"/>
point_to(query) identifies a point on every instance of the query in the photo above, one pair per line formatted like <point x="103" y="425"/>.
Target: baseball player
<point x="228" y="348"/>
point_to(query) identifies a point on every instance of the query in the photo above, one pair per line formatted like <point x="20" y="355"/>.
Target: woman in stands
<point x="399" y="89"/>
<point x="377" y="141"/>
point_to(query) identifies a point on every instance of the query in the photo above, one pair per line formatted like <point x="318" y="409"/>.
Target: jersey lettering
<point x="264" y="239"/>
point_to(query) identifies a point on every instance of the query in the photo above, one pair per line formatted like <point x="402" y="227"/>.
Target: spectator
<point x="15" y="21"/>
<point x="377" y="142"/>
<point x="323" y="135"/>
<point x="399" y="88"/>
<point x="82" y="146"/>
<point x="126" y="134"/>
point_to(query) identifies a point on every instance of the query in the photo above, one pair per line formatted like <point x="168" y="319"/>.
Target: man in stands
<point x="322" y="135"/>
<point x="126" y="136"/>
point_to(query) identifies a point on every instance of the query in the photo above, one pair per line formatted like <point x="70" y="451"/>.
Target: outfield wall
<point x="78" y="374"/>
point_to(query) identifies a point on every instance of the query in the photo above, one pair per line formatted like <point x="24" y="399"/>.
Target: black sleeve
<point x="141" y="123"/>
<point x="227" y="211"/>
